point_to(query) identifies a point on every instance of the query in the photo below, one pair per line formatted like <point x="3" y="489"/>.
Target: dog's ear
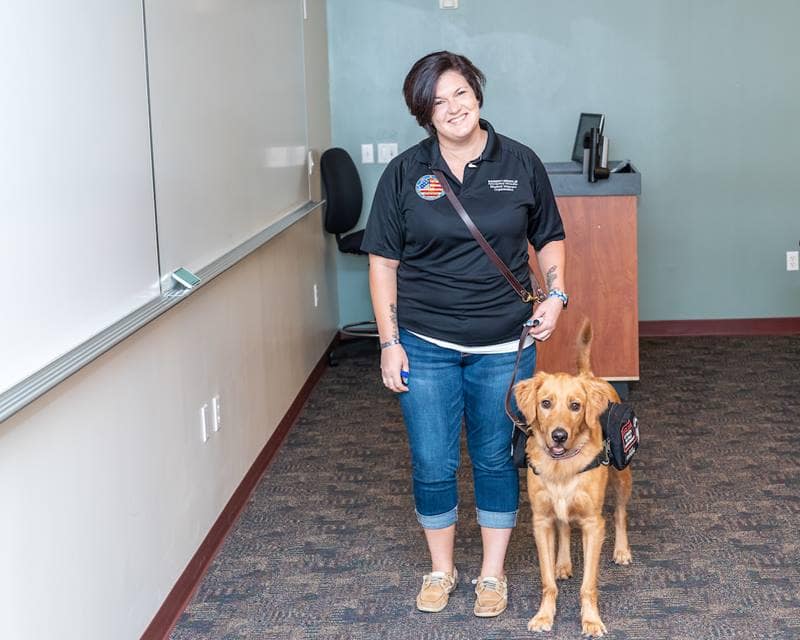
<point x="526" y="393"/>
<point x="597" y="398"/>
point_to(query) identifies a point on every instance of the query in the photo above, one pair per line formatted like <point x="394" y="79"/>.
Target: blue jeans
<point x="444" y="387"/>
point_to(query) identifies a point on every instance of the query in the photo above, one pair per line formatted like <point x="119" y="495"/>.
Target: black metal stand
<point x="352" y="334"/>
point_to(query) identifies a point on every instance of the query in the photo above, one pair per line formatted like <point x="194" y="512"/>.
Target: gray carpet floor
<point x="328" y="547"/>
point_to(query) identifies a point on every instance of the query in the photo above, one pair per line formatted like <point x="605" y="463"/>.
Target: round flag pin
<point x="429" y="188"/>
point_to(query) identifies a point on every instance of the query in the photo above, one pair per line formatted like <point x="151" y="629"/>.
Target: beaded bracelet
<point x="558" y="293"/>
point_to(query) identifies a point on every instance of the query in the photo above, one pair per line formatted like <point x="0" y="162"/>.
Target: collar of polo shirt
<point x="430" y="148"/>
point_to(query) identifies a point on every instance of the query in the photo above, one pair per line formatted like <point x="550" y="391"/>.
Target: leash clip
<point x="607" y="450"/>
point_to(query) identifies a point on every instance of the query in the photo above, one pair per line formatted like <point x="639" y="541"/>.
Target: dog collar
<point x="574" y="453"/>
<point x="600" y="459"/>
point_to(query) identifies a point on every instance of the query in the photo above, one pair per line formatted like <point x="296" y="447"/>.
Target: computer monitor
<point x="586" y="122"/>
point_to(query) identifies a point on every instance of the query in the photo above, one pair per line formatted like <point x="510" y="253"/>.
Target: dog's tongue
<point x="557" y="451"/>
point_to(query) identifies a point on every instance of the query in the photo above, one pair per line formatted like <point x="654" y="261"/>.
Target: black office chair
<point x="343" y="195"/>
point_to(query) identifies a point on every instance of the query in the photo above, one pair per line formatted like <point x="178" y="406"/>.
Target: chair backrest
<point x="342" y="190"/>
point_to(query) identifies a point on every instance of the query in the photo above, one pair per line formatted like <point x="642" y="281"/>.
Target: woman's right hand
<point x="393" y="361"/>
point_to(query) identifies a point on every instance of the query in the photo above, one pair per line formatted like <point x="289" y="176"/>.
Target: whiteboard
<point x="137" y="137"/>
<point x="77" y="225"/>
<point x="227" y="95"/>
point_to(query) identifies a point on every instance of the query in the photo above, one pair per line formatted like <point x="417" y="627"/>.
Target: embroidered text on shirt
<point x="502" y="185"/>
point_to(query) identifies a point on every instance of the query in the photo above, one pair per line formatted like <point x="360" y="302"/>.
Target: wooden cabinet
<point x="601" y="278"/>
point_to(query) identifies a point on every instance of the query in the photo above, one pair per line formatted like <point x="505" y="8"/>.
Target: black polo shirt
<point x="447" y="288"/>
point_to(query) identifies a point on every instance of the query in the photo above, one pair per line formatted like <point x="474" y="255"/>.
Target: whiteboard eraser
<point x="185" y="278"/>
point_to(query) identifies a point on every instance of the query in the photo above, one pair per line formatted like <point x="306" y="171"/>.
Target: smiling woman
<point x="447" y="318"/>
<point x="456" y="115"/>
<point x="420" y="86"/>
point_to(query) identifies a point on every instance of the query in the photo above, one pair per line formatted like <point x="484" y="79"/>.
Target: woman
<point x="449" y="322"/>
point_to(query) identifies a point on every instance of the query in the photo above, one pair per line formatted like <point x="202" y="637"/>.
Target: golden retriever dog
<point x="565" y="437"/>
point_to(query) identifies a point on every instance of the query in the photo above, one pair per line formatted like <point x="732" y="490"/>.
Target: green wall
<point x="703" y="97"/>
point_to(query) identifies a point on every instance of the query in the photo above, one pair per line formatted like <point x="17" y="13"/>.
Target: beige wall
<point x="106" y="486"/>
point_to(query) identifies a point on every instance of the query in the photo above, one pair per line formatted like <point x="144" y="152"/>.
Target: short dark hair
<point x="419" y="87"/>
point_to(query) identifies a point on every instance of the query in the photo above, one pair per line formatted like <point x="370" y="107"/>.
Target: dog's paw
<point x="563" y="571"/>
<point x="594" y="628"/>
<point x="540" y="622"/>
<point x="622" y="556"/>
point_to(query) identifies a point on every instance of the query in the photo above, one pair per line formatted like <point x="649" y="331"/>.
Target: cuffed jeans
<point x="444" y="387"/>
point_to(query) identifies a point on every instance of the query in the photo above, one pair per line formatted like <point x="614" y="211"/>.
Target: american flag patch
<point x="429" y="188"/>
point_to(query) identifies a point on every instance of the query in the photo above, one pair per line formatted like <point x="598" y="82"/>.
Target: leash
<point x="519" y="422"/>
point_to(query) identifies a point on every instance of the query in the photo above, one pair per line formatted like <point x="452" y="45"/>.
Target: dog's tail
<point x="585" y="348"/>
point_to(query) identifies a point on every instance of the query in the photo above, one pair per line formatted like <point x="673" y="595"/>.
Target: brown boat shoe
<point x="492" y="596"/>
<point x="436" y="589"/>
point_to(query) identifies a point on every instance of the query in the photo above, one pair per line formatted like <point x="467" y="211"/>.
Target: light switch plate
<point x="367" y="154"/>
<point x="386" y="151"/>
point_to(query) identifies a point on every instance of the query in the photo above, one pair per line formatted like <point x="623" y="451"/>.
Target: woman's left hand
<point x="547" y="312"/>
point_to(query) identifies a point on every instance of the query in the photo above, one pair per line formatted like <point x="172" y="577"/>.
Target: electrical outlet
<point x="216" y="414"/>
<point x="316" y="295"/>
<point x="793" y="260"/>
<point x="204" y="422"/>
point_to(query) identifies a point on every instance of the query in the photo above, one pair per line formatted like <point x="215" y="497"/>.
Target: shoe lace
<point x="488" y="584"/>
<point x="437" y="578"/>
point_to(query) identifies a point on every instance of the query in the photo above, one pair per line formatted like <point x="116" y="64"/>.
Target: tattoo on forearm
<point x="393" y="318"/>
<point x="395" y="339"/>
<point x="552" y="274"/>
